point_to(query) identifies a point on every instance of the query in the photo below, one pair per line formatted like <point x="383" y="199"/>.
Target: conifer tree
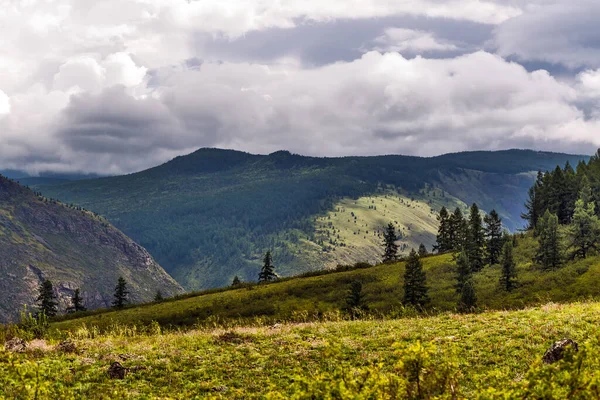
<point x="549" y="253"/>
<point x="509" y="270"/>
<point x="415" y="286"/>
<point x="158" y="297"/>
<point x="121" y="293"/>
<point x="444" y="238"/>
<point x="585" y="231"/>
<point x="468" y="297"/>
<point x="493" y="237"/>
<point x="533" y="204"/>
<point x="464" y="271"/>
<point x="390" y="253"/>
<point x="355" y="299"/>
<point x="422" y="250"/>
<point x="47" y="299"/>
<point x="76" y="302"/>
<point x="475" y="239"/>
<point x="457" y="230"/>
<point x="236" y="281"/>
<point x="267" y="273"/>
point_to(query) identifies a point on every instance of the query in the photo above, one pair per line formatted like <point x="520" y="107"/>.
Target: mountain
<point x="212" y="214"/>
<point x="42" y="239"/>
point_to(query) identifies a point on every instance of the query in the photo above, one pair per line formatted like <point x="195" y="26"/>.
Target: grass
<point x="353" y="229"/>
<point x="489" y="355"/>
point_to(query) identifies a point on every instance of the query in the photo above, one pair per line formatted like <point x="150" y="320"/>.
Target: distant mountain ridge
<point x="41" y="239"/>
<point x="210" y="215"/>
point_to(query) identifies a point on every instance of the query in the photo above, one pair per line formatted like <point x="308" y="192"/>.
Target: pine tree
<point x="509" y="271"/>
<point x="549" y="252"/>
<point x="415" y="286"/>
<point x="355" y="299"/>
<point x="158" y="297"/>
<point x="236" y="281"/>
<point x="121" y="293"/>
<point x="464" y="271"/>
<point x="390" y="253"/>
<point x="468" y="298"/>
<point x="585" y="231"/>
<point x="457" y="230"/>
<point x="267" y="273"/>
<point x="422" y="250"/>
<point x="444" y="238"/>
<point x="493" y="235"/>
<point x="76" y="302"/>
<point x="533" y="204"/>
<point x="475" y="239"/>
<point x="47" y="299"/>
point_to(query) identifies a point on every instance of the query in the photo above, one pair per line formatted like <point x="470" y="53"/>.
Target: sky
<point x="117" y="86"/>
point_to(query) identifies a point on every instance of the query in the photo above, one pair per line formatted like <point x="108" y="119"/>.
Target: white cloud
<point x="561" y="32"/>
<point x="380" y="103"/>
<point x="85" y="82"/>
<point x="409" y="40"/>
<point x="4" y="103"/>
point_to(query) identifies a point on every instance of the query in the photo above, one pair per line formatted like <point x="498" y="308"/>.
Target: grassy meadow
<point x="492" y="355"/>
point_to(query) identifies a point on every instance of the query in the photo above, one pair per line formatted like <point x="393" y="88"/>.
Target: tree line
<point x="562" y="215"/>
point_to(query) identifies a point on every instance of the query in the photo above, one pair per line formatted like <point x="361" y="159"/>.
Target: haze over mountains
<point x="211" y="215"/>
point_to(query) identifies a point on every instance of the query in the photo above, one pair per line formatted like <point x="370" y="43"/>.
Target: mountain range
<point x="210" y="215"/>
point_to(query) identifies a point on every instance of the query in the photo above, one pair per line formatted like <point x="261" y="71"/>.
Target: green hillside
<point x="316" y="297"/>
<point x="41" y="239"/>
<point x="212" y="214"/>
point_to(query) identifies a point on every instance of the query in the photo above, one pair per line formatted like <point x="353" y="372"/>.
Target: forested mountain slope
<point x="211" y="215"/>
<point x="41" y="239"/>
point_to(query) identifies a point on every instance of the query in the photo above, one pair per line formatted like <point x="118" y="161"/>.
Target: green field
<point x="488" y="355"/>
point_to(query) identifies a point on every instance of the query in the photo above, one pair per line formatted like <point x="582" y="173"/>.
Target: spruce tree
<point x="533" y="204"/>
<point x="76" y="302"/>
<point x="121" y="293"/>
<point x="457" y="230"/>
<point x="267" y="273"/>
<point x="444" y="238"/>
<point x="390" y="253"/>
<point x="549" y="254"/>
<point x="475" y="239"/>
<point x="415" y="286"/>
<point x="464" y="271"/>
<point x="585" y="231"/>
<point x="468" y="298"/>
<point x="422" y="250"/>
<point x="47" y="299"/>
<point x="508" y="279"/>
<point x="493" y="237"/>
<point x="158" y="297"/>
<point x="355" y="299"/>
<point x="236" y="281"/>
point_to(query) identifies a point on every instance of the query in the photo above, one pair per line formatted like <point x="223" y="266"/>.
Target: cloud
<point x="409" y="40"/>
<point x="118" y="86"/>
<point x="561" y="32"/>
<point x="4" y="103"/>
<point x="380" y="103"/>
